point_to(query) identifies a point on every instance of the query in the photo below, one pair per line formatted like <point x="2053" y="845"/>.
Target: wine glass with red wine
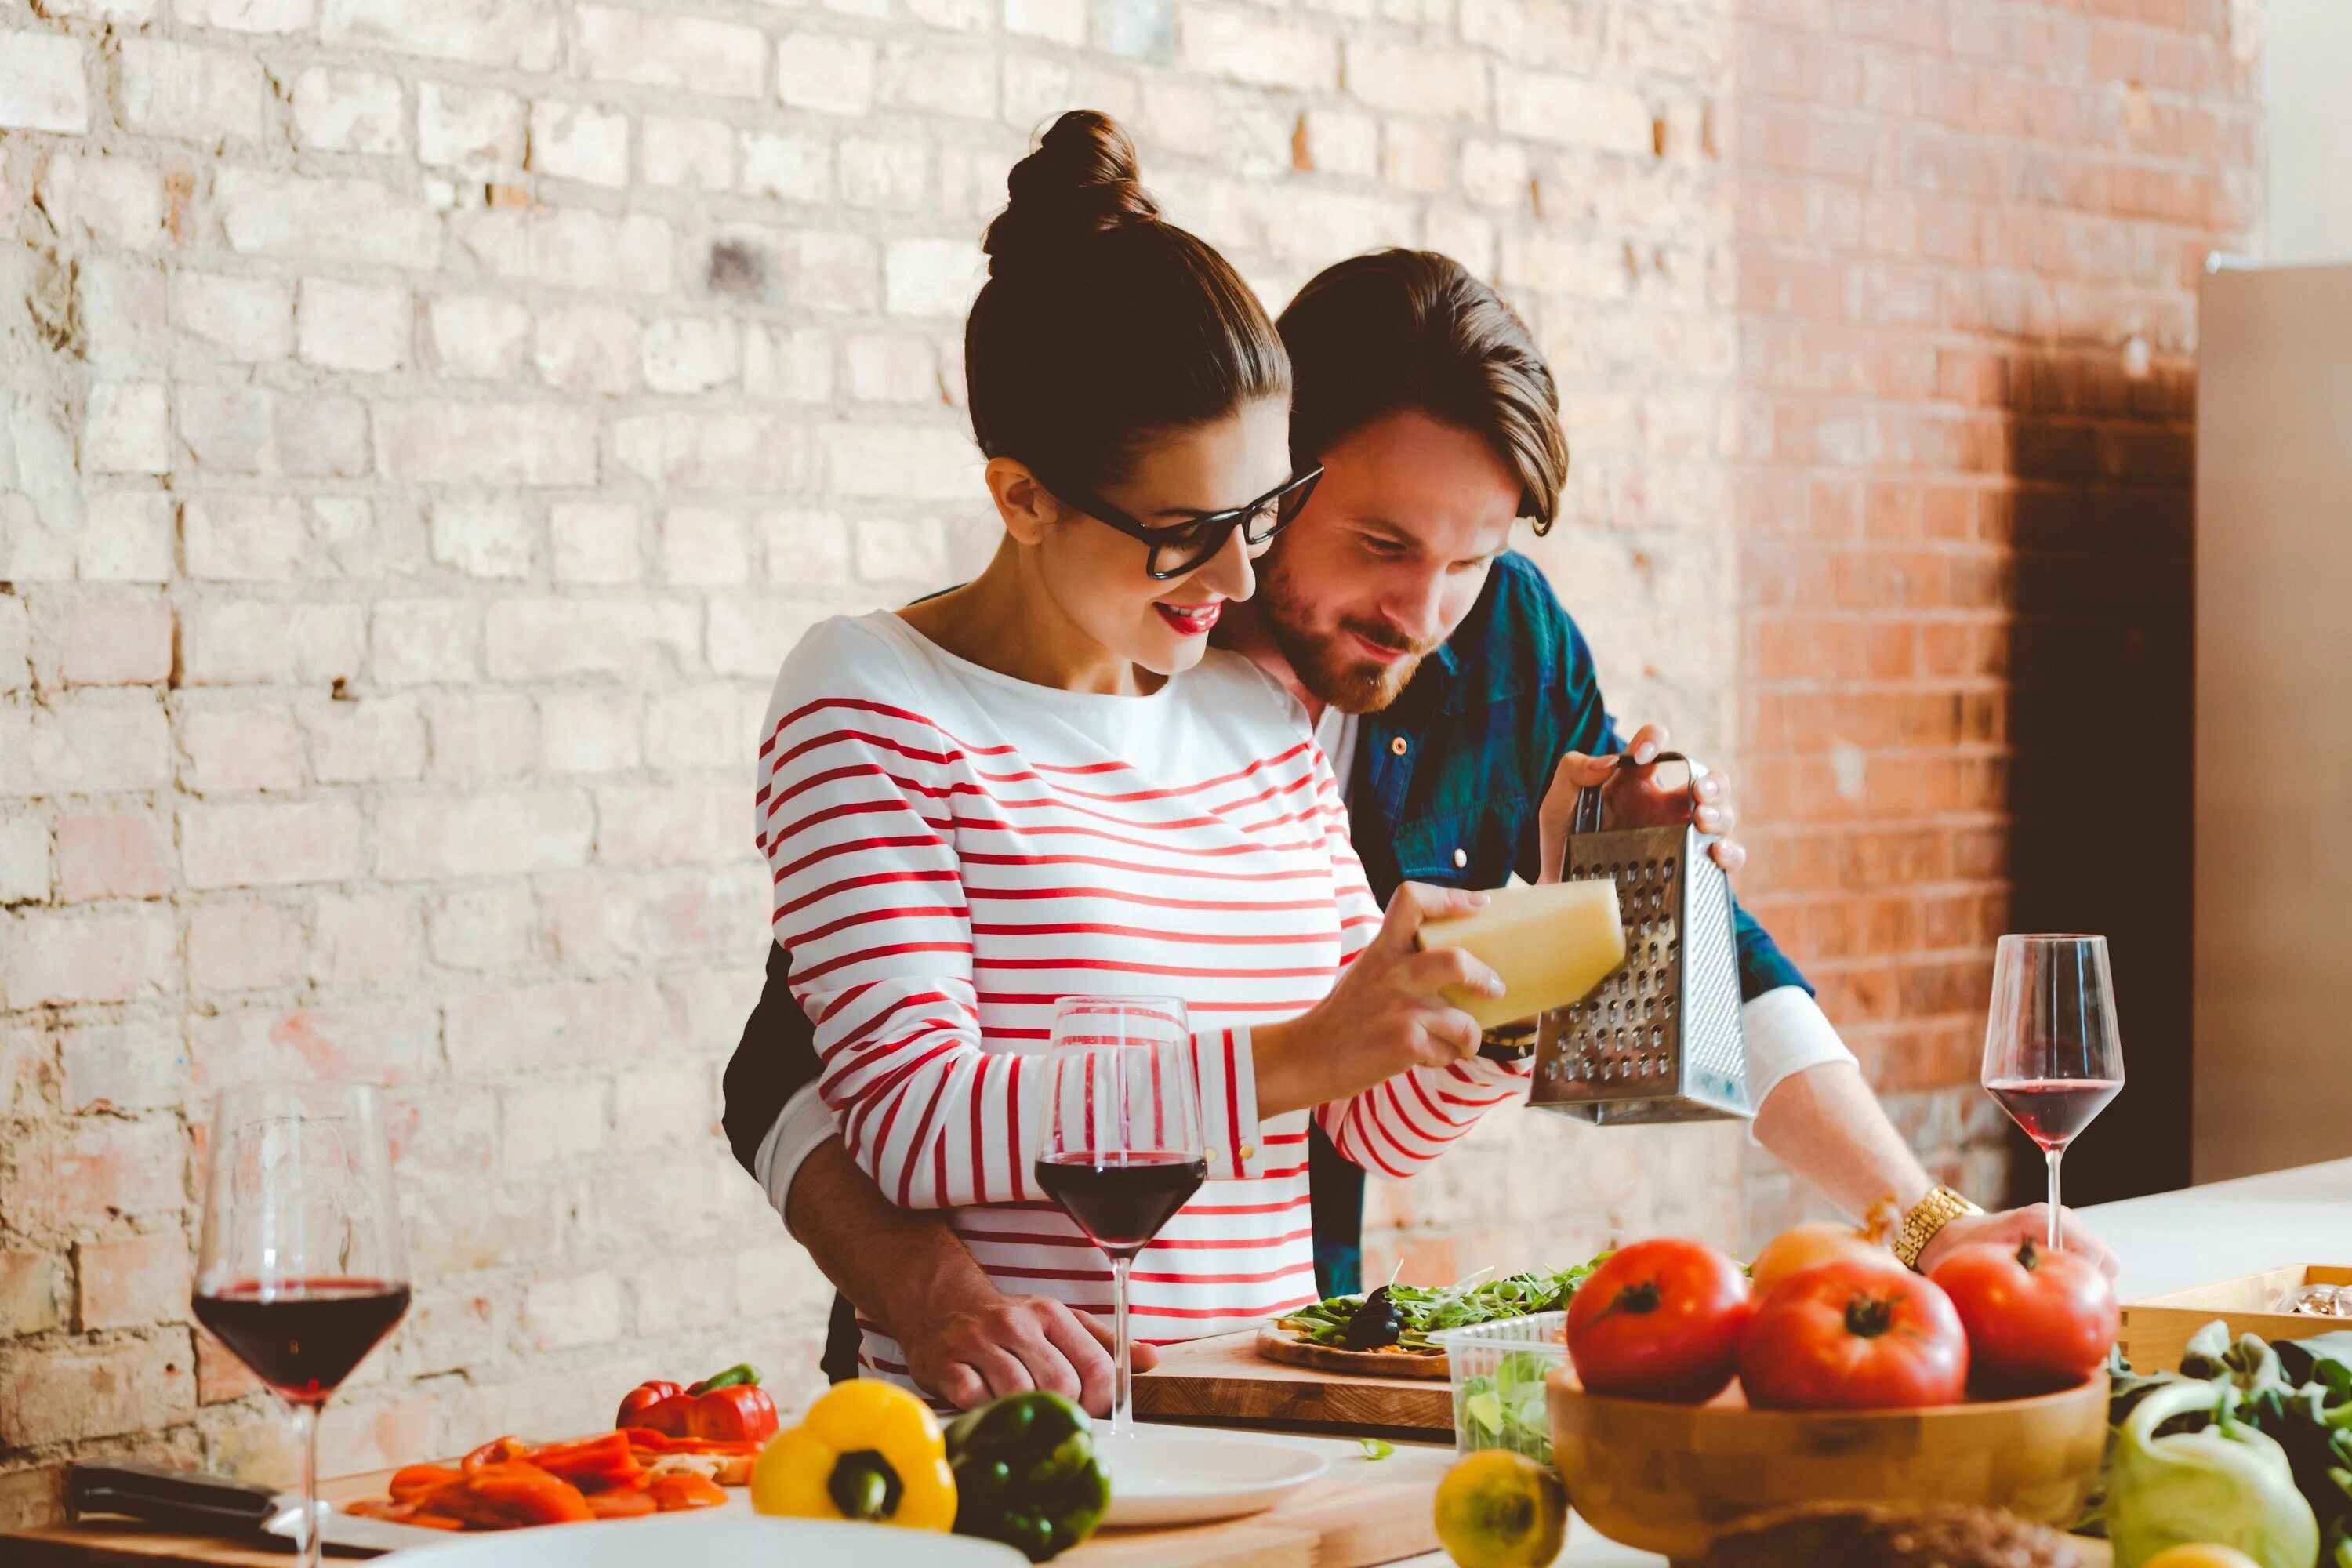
<point x="2053" y="1057"/>
<point x="302" y="1272"/>
<point x="1122" y="1150"/>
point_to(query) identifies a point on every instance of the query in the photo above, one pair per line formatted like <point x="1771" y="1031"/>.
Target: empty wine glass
<point x="2053" y="1057"/>
<point x="1123" y="1148"/>
<point x="301" y="1269"/>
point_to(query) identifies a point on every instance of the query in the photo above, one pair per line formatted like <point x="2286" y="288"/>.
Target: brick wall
<point x="426" y="423"/>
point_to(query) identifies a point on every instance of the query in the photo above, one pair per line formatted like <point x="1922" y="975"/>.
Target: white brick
<point x="481" y="834"/>
<point x="244" y="538"/>
<point x="635" y="640"/>
<point x="799" y="547"/>
<point x="1059" y="21"/>
<point x="132" y="11"/>
<point x="787" y="165"/>
<point x="477" y="130"/>
<point x="413" y="642"/>
<point x="196" y="94"/>
<point x="486" y="443"/>
<point x="696" y="154"/>
<point x="323" y="435"/>
<point x="15" y="644"/>
<point x="889" y="176"/>
<point x="588" y="348"/>
<point x="477" y="335"/>
<point x="353" y="326"/>
<point x="269" y="214"/>
<point x="482" y="539"/>
<point x="229" y="427"/>
<point x="24" y="861"/>
<point x="794" y="363"/>
<point x="256" y="643"/>
<point x="825" y="71"/>
<point x="595" y="541"/>
<point x="243" y="944"/>
<point x="1342" y="142"/>
<point x="558" y="1314"/>
<point x="482" y="930"/>
<point x="891" y="367"/>
<point x="932" y="462"/>
<point x="87" y="745"/>
<point x="248" y="15"/>
<point x="938" y="81"/>
<point x="554" y="1119"/>
<point x="349" y="111"/>
<point x="589" y="733"/>
<point x="125" y="316"/>
<point x="932" y="277"/>
<point x="1547" y="106"/>
<point x="703" y="545"/>
<point x="1257" y="52"/>
<point x="248" y="318"/>
<point x="115" y="201"/>
<point x="521" y="33"/>
<point x="826" y="270"/>
<point x="690" y="353"/>
<point x="890" y="550"/>
<point x="44" y="83"/>
<point x="568" y="247"/>
<point x="578" y="142"/>
<point x="956" y="16"/>
<point x="712" y="726"/>
<point x="1415" y="78"/>
<point x="365" y="741"/>
<point x="127" y="430"/>
<point x="236" y="749"/>
<point x="268" y="846"/>
<point x="748" y="637"/>
<point x="479" y="735"/>
<point x="112" y="953"/>
<point x="126" y="539"/>
<point x="712" y="451"/>
<point x="658" y="49"/>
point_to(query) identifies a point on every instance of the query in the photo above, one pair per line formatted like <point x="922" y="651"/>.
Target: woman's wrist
<point x="1276" y="1063"/>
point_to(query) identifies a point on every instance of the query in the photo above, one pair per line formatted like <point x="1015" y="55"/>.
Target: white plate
<point x="1166" y="1480"/>
<point x="720" y="1538"/>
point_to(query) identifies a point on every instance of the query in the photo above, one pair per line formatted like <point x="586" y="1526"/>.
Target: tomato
<point x="2036" y="1319"/>
<point x="1802" y="1246"/>
<point x="1844" y="1335"/>
<point x="1660" y="1320"/>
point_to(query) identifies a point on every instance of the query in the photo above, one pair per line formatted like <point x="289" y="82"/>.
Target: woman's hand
<point x="1386" y="1014"/>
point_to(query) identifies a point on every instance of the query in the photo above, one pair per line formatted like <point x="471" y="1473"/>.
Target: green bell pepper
<point x="1027" y="1475"/>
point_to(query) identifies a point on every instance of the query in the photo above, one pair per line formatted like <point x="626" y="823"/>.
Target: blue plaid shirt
<point x="1446" y="784"/>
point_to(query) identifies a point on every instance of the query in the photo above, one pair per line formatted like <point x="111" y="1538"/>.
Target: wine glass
<point x="1122" y="1150"/>
<point x="2052" y="1057"/>
<point x="301" y="1271"/>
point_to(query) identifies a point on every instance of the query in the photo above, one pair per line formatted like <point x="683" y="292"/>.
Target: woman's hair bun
<point x="1080" y="181"/>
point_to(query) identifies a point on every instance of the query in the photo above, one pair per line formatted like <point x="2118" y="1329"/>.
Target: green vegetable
<point x="1026" y="1474"/>
<point x="743" y="1372"/>
<point x="1376" y="1448"/>
<point x="1424" y="1310"/>
<point x="1507" y="1410"/>
<point x="2228" y="1483"/>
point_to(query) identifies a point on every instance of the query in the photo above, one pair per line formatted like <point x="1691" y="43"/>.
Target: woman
<point x="1046" y="783"/>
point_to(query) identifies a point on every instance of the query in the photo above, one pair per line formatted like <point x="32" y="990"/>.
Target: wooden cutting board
<point x="1224" y="1381"/>
<point x="1359" y="1514"/>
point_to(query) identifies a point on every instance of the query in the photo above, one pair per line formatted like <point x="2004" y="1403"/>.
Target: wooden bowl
<point x="1669" y="1478"/>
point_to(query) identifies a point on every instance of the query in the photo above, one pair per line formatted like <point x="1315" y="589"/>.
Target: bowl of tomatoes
<point x="1691" y="1403"/>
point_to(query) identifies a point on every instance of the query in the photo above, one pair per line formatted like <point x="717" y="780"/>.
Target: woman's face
<point x="1100" y="578"/>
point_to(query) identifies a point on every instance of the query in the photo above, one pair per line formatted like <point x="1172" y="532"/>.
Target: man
<point x="1459" y="708"/>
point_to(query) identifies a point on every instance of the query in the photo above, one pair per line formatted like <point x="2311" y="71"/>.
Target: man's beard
<point x="1352" y="684"/>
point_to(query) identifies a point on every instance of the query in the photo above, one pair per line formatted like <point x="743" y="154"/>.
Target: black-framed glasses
<point x="1180" y="547"/>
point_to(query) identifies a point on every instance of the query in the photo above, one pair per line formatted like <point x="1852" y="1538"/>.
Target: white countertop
<point x="2166" y="1242"/>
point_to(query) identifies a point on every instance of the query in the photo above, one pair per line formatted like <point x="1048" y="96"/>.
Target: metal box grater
<point x="1659" y="1040"/>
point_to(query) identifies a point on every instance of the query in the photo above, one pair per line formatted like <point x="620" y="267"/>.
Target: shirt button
<point x="1397" y="746"/>
<point x="1461" y="858"/>
<point x="1249" y="1150"/>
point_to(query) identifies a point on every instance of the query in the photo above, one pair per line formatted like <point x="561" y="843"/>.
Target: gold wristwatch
<point x="1931" y="1214"/>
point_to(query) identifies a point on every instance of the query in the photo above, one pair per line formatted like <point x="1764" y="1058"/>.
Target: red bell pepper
<point x="623" y="1502"/>
<point x="676" y="1490"/>
<point x="730" y="1407"/>
<point x="592" y="1464"/>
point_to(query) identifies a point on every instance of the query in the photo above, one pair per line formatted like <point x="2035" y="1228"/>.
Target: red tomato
<point x="1854" y="1336"/>
<point x="1660" y="1320"/>
<point x="2036" y="1320"/>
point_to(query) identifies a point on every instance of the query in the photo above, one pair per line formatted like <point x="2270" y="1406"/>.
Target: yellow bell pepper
<point x="865" y="1450"/>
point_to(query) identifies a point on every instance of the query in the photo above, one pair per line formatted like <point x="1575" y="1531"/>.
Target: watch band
<point x="1929" y="1214"/>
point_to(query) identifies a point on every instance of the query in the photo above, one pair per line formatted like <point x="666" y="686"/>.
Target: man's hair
<point x="1399" y="329"/>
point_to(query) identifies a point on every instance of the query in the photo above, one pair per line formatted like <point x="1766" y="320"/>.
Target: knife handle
<point x="161" y="1495"/>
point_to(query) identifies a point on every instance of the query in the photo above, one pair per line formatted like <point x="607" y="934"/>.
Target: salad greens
<point x="2296" y="1394"/>
<point x="1507" y="1410"/>
<point x="1426" y="1309"/>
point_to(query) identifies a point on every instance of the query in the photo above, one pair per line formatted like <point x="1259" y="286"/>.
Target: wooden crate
<point x="2156" y="1329"/>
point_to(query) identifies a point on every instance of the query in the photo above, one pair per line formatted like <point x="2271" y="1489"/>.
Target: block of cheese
<point x="1551" y="945"/>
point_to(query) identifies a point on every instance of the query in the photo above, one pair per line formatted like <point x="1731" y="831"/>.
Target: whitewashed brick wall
<point x="425" y="424"/>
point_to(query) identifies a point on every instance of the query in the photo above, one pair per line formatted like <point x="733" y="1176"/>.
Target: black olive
<point x="1376" y="1324"/>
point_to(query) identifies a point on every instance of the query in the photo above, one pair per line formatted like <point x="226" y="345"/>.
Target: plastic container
<point x="1498" y="1371"/>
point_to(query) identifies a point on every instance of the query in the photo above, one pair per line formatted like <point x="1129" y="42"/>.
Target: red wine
<point x="303" y="1337"/>
<point x="2053" y="1109"/>
<point x="1120" y="1201"/>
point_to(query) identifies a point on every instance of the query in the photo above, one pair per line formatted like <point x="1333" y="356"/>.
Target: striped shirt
<point x="953" y="850"/>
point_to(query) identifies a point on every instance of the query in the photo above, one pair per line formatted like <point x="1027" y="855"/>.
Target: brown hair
<point x="1377" y="334"/>
<point x="1102" y="324"/>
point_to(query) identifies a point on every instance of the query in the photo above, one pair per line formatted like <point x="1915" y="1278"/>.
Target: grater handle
<point x="1588" y="799"/>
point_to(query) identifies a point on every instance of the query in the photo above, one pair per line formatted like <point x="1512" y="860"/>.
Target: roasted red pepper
<point x="730" y="1407"/>
<point x="499" y="1495"/>
<point x="593" y="1464"/>
<point x="623" y="1502"/>
<point x="676" y="1491"/>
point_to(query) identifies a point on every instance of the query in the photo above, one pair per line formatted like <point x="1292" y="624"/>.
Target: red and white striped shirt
<point x="954" y="850"/>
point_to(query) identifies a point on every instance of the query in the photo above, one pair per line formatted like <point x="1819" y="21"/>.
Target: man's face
<point x="1387" y="556"/>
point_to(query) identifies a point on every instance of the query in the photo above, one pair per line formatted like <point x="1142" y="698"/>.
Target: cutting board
<point x="1225" y="1380"/>
<point x="1361" y="1514"/>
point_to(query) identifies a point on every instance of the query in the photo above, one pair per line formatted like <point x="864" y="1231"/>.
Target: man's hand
<point x="989" y="1344"/>
<point x="1637" y="801"/>
<point x="2011" y="1226"/>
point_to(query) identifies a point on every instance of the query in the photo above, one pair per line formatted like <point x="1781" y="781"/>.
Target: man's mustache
<point x="1382" y="637"/>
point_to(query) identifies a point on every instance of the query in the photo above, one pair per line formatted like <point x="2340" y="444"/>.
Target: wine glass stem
<point x="2053" y="1156"/>
<point x="306" y="1425"/>
<point x="1122" y="1394"/>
